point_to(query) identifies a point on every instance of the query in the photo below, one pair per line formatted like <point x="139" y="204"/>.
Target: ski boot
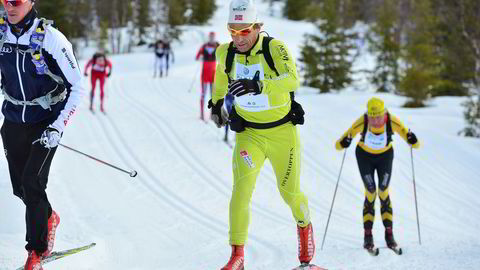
<point x="368" y="240"/>
<point x="237" y="259"/>
<point x="53" y="222"/>
<point x="389" y="238"/>
<point x="306" y="243"/>
<point x="34" y="261"/>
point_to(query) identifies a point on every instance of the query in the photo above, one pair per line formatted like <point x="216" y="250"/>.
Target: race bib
<point x="374" y="141"/>
<point x="250" y="102"/>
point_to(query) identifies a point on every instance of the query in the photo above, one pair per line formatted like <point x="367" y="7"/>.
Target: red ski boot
<point x="53" y="222"/>
<point x="236" y="260"/>
<point x="34" y="262"/>
<point x="306" y="243"/>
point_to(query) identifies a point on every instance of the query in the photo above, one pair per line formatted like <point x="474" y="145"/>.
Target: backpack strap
<point x="229" y="61"/>
<point x="269" y="59"/>
<point x="35" y="49"/>
<point x="3" y="31"/>
<point x="267" y="55"/>
<point x="389" y="128"/>
<point x="365" y="127"/>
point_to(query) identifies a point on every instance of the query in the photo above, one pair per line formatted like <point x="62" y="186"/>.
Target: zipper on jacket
<point x="20" y="81"/>
<point x="23" y="62"/>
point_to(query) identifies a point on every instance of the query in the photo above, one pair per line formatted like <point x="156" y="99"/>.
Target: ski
<point x="306" y="266"/>
<point x="61" y="254"/>
<point x="397" y="250"/>
<point x="373" y="251"/>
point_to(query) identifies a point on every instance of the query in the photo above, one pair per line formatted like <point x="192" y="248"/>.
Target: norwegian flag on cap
<point x="238" y="17"/>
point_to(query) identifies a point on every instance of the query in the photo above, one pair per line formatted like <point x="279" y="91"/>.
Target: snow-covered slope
<point x="174" y="215"/>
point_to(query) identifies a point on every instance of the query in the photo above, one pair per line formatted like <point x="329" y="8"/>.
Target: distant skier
<point x="207" y="54"/>
<point x="375" y="153"/>
<point x="162" y="51"/>
<point x="159" y="51"/>
<point x="264" y="117"/>
<point x="42" y="87"/>
<point x="101" y="68"/>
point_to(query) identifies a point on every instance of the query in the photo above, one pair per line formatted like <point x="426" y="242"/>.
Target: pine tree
<point x="383" y="43"/>
<point x="175" y="18"/>
<point x="202" y="11"/>
<point x="327" y="57"/>
<point x="472" y="117"/>
<point x="142" y="19"/>
<point x="422" y="71"/>
<point x="296" y="9"/>
<point x="470" y="24"/>
<point x="58" y="12"/>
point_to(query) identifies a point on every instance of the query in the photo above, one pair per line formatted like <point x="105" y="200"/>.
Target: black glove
<point x="345" y="142"/>
<point x="85" y="74"/>
<point x="219" y="114"/>
<point x="242" y="87"/>
<point x="109" y="73"/>
<point x="411" y="138"/>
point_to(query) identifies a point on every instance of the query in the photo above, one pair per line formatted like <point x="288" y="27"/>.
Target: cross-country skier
<point x="42" y="87"/>
<point x="101" y="69"/>
<point x="375" y="153"/>
<point x="207" y="54"/>
<point x="160" y="53"/>
<point x="264" y="117"/>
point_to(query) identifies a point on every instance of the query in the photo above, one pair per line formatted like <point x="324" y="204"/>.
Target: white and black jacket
<point x="21" y="81"/>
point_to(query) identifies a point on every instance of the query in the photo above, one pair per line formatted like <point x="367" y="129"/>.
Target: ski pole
<point x="194" y="78"/>
<point x="131" y="173"/>
<point x="333" y="200"/>
<point x="415" y="194"/>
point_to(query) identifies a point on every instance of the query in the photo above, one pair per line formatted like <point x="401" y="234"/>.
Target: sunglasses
<point x="15" y="3"/>
<point x="242" y="32"/>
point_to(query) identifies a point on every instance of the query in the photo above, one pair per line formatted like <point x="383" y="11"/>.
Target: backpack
<point x="238" y="124"/>
<point x="35" y="46"/>
<point x="35" y="49"/>
<point x="389" y="128"/>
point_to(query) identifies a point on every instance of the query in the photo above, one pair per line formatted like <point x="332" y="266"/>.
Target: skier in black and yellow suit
<point x="263" y="117"/>
<point x="375" y="152"/>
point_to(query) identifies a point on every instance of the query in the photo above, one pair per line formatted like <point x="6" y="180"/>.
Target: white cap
<point x="242" y="11"/>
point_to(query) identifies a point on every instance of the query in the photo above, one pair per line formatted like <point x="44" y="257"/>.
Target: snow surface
<point x="174" y="214"/>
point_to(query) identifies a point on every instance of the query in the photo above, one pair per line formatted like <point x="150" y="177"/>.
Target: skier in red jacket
<point x="100" y="64"/>
<point x="207" y="53"/>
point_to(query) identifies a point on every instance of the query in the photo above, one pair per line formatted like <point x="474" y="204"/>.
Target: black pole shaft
<point x="333" y="200"/>
<point x="132" y="173"/>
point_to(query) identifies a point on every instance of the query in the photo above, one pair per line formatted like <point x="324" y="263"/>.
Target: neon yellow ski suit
<point x="280" y="144"/>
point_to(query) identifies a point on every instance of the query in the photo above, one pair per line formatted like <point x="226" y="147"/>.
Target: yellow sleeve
<point x="356" y="128"/>
<point x="401" y="129"/>
<point x="220" y="85"/>
<point x="287" y="81"/>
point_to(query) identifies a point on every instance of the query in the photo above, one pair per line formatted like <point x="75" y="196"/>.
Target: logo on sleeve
<point x="283" y="52"/>
<point x="72" y="64"/>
